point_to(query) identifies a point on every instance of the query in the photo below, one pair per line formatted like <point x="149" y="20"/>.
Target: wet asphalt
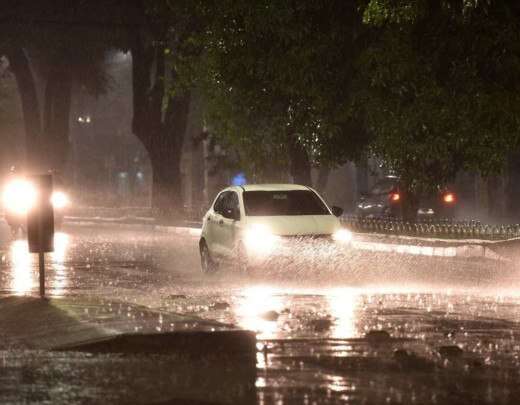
<point x="363" y="328"/>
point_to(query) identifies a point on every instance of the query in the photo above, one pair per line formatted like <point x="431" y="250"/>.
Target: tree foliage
<point x="279" y="74"/>
<point x="438" y="87"/>
<point x="431" y="86"/>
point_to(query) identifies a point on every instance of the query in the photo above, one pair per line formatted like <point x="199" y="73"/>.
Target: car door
<point x="229" y="223"/>
<point x="213" y="224"/>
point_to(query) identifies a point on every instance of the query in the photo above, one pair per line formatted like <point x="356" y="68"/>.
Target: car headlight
<point x="259" y="239"/>
<point x="59" y="199"/>
<point x="19" y="196"/>
<point x="342" y="236"/>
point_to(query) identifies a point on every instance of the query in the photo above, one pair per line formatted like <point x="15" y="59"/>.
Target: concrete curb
<point x="431" y="241"/>
<point x="185" y="230"/>
<point x="462" y="251"/>
<point x="229" y="343"/>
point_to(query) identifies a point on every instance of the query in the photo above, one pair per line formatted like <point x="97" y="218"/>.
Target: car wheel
<point x="242" y="261"/>
<point x="207" y="263"/>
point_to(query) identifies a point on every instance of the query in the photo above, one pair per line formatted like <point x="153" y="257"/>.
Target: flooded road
<point x="375" y="327"/>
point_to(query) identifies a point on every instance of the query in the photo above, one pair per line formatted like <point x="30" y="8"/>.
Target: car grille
<point x="305" y="238"/>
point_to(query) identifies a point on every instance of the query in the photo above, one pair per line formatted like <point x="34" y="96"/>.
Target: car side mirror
<point x="231" y="213"/>
<point x="337" y="211"/>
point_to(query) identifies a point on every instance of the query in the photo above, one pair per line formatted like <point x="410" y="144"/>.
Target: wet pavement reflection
<point x="23" y="267"/>
<point x="22" y="278"/>
<point x="381" y="327"/>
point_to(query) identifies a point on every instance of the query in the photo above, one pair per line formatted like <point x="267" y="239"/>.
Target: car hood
<point x="298" y="224"/>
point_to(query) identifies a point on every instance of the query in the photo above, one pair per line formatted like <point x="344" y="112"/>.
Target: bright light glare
<point x="22" y="276"/>
<point x="259" y="239"/>
<point x="395" y="197"/>
<point x="255" y="303"/>
<point x="342" y="305"/>
<point x="449" y="198"/>
<point x="59" y="199"/>
<point x="60" y="278"/>
<point x="342" y="236"/>
<point x="19" y="196"/>
<point x="61" y="243"/>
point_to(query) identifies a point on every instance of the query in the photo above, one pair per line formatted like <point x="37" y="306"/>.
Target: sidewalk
<point x="75" y="322"/>
<point x="86" y="350"/>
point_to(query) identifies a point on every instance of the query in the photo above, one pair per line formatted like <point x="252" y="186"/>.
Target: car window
<point x="230" y="202"/>
<point x="219" y="202"/>
<point x="292" y="202"/>
<point x="226" y="200"/>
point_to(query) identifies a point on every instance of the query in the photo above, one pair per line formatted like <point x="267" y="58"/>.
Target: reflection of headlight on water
<point x="19" y="196"/>
<point x="259" y="239"/>
<point x="22" y="276"/>
<point x="342" y="236"/>
<point x="342" y="306"/>
<point x="61" y="243"/>
<point x="255" y="303"/>
<point x="60" y="278"/>
<point x="59" y="199"/>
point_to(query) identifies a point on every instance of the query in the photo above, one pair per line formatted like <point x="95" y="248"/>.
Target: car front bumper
<point x="297" y="249"/>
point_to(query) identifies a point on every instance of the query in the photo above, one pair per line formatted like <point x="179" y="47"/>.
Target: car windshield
<point x="383" y="186"/>
<point x="293" y="202"/>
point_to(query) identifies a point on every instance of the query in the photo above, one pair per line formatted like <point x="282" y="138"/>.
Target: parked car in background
<point x="385" y="199"/>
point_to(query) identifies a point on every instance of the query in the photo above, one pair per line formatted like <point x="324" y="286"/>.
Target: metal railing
<point x="432" y="228"/>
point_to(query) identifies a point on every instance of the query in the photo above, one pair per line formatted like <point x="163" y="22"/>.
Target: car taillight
<point x="394" y="197"/>
<point x="449" y="198"/>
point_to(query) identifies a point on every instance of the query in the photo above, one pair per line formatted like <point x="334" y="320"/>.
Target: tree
<point x="162" y="96"/>
<point x="20" y="66"/>
<point x="10" y="131"/>
<point x="438" y="88"/>
<point x="277" y="81"/>
<point x="80" y="33"/>
<point x="76" y="56"/>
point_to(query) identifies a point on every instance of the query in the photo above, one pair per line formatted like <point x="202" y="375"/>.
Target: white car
<point x="248" y="224"/>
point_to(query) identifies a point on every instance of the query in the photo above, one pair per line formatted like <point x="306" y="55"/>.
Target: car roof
<point x="273" y="187"/>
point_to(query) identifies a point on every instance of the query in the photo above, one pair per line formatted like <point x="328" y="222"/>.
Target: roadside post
<point x="40" y="224"/>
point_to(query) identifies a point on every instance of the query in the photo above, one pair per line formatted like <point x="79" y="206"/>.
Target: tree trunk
<point x="165" y="153"/>
<point x="162" y="133"/>
<point x="496" y="197"/>
<point x="361" y="177"/>
<point x="142" y="61"/>
<point x="323" y="178"/>
<point x="19" y="64"/>
<point x="45" y="149"/>
<point x="56" y="119"/>
<point x="195" y="136"/>
<point x="300" y="167"/>
<point x="166" y="180"/>
<point x="410" y="203"/>
<point x="513" y="186"/>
